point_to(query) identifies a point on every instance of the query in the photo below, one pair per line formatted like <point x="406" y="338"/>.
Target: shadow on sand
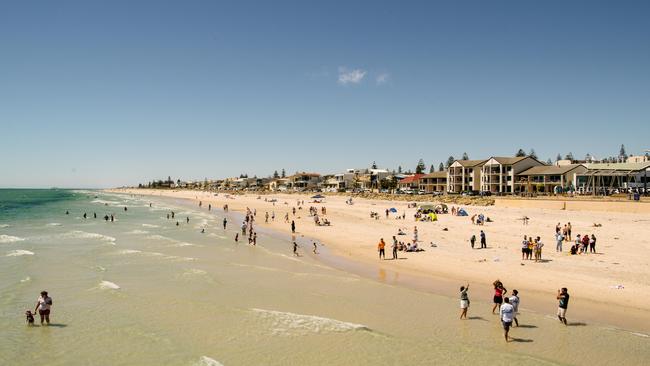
<point x="527" y="326"/>
<point x="477" y="318"/>
<point x="521" y="340"/>
<point x="576" y="324"/>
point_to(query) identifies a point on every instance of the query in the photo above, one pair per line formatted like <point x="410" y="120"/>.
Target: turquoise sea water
<point x="143" y="291"/>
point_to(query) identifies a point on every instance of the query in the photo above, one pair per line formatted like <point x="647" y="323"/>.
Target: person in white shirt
<point x="514" y="301"/>
<point x="43" y="305"/>
<point x="507" y="314"/>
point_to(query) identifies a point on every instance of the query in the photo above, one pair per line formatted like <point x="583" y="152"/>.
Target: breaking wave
<point x="18" y="253"/>
<point x="10" y="239"/>
<point x="108" y="285"/>
<point x="285" y="323"/>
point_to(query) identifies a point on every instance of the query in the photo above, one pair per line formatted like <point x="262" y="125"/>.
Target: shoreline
<point x="440" y="280"/>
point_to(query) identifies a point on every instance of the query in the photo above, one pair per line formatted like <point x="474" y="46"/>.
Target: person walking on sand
<point x="464" y="301"/>
<point x="315" y="247"/>
<point x="295" y="249"/>
<point x="592" y="244"/>
<point x="293" y="227"/>
<point x="514" y="301"/>
<point x="507" y="315"/>
<point x="568" y="231"/>
<point x="563" y="297"/>
<point x="559" y="238"/>
<point x="43" y="305"/>
<point x="499" y="293"/>
<point x="381" y="247"/>
<point x="483" y="241"/>
<point x="237" y="238"/>
<point x="225" y="222"/>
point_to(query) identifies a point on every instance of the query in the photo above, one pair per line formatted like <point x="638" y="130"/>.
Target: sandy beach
<point x="609" y="287"/>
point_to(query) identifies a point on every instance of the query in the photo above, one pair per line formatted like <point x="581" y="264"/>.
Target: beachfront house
<point x="435" y="182"/>
<point x="410" y="183"/>
<point x="303" y="181"/>
<point x="464" y="176"/>
<point x="498" y="173"/>
<point x="278" y="184"/>
<point x="549" y="178"/>
<point x="609" y="178"/>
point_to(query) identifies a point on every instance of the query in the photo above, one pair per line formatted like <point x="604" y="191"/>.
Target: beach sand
<point x="593" y="280"/>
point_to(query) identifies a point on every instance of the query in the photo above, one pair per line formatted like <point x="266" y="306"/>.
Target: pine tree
<point x="622" y="153"/>
<point x="520" y="152"/>
<point x="441" y="167"/>
<point x="569" y="156"/>
<point x="558" y="157"/>
<point x="549" y="162"/>
<point x="450" y="160"/>
<point x="532" y="154"/>
<point x="374" y="165"/>
<point x="419" y="169"/>
<point x="276" y="175"/>
<point x="432" y="169"/>
<point x="399" y="169"/>
<point x="284" y="174"/>
<point x="465" y="156"/>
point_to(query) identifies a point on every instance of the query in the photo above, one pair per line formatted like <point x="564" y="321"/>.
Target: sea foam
<point x="4" y="239"/>
<point x="4" y="226"/>
<point x="18" y="253"/>
<point x="285" y="323"/>
<point x="207" y="361"/>
<point x="85" y="235"/>
<point x="108" y="285"/>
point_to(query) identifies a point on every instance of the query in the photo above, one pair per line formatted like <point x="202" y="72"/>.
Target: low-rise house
<point x="434" y="182"/>
<point x="303" y="181"/>
<point x="498" y="173"/>
<point x="410" y="183"/>
<point x="548" y="178"/>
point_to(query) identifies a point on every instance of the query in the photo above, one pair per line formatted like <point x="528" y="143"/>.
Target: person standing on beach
<point x="592" y="244"/>
<point x="507" y="315"/>
<point x="514" y="301"/>
<point x="315" y="247"/>
<point x="499" y="293"/>
<point x="381" y="247"/>
<point x="293" y="227"/>
<point x="266" y="217"/>
<point x="237" y="238"/>
<point x="394" y="247"/>
<point x="483" y="241"/>
<point x="559" y="238"/>
<point x="563" y="297"/>
<point x="464" y="301"/>
<point x="225" y="222"/>
<point x="209" y="207"/>
<point x="43" y="305"/>
<point x="295" y="249"/>
<point x="524" y="247"/>
<point x="472" y="240"/>
<point x="568" y="231"/>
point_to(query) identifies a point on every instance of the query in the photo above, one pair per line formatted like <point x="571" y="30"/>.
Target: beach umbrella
<point x="393" y="209"/>
<point x="318" y="196"/>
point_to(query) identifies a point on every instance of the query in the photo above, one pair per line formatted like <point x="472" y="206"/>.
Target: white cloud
<point x="354" y="76"/>
<point x="382" y="78"/>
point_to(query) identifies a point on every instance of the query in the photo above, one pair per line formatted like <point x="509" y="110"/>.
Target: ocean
<point x="142" y="290"/>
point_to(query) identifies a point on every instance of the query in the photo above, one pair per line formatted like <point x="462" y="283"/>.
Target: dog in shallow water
<point x="29" y="317"/>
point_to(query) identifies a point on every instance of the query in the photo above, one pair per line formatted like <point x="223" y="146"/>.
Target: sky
<point x="112" y="93"/>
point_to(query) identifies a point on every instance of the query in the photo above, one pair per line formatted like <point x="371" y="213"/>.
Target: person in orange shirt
<point x="381" y="246"/>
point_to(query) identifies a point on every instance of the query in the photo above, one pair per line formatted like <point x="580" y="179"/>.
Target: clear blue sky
<point x="105" y="93"/>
